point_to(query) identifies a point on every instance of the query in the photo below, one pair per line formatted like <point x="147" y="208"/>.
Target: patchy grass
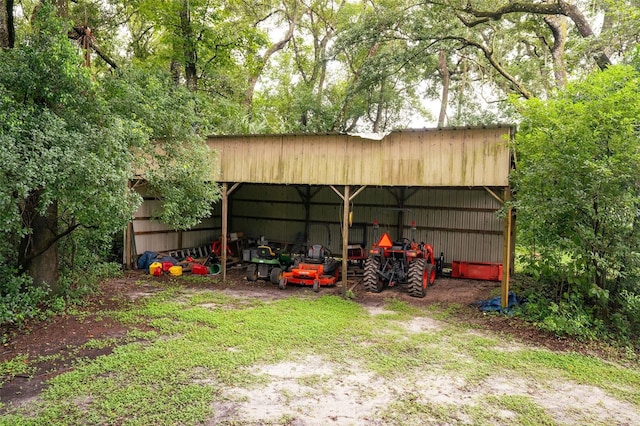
<point x="526" y="411"/>
<point x="18" y="366"/>
<point x="199" y="345"/>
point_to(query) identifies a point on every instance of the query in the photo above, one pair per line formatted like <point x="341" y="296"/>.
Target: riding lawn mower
<point x="268" y="265"/>
<point x="317" y="269"/>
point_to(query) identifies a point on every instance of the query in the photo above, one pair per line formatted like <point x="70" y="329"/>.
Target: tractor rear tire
<point x="252" y="272"/>
<point x="432" y="273"/>
<point x="372" y="281"/>
<point x="419" y="275"/>
<point x="275" y="275"/>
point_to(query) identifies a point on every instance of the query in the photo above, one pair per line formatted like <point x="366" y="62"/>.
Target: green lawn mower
<point x="268" y="265"/>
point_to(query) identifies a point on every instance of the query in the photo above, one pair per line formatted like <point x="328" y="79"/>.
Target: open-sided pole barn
<point x="464" y="171"/>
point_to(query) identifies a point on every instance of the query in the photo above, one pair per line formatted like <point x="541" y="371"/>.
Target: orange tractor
<point x="316" y="269"/>
<point x="400" y="262"/>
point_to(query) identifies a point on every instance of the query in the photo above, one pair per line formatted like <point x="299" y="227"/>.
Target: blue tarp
<point x="495" y="305"/>
<point x="148" y="257"/>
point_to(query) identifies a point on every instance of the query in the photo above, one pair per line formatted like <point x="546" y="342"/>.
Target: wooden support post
<point x="225" y="212"/>
<point x="129" y="240"/>
<point x="506" y="254"/>
<point x="226" y="192"/>
<point x="345" y="240"/>
<point x="128" y="250"/>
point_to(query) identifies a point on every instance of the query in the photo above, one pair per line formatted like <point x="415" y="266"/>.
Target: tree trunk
<point x="379" y="109"/>
<point x="558" y="7"/>
<point x="176" y="73"/>
<point x="188" y="47"/>
<point x="262" y="61"/>
<point x="446" y="81"/>
<point x="7" y="29"/>
<point x="38" y="251"/>
<point x="558" y="26"/>
<point x="38" y="255"/>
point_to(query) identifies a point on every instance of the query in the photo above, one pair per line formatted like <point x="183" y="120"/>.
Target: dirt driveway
<point x="349" y="394"/>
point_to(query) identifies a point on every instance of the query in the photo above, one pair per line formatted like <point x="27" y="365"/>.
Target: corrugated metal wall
<point x="462" y="223"/>
<point x="155" y="236"/>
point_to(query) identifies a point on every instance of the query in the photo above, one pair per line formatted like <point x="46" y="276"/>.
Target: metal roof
<point x="438" y="157"/>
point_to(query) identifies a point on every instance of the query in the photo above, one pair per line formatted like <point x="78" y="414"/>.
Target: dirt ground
<point x="64" y="335"/>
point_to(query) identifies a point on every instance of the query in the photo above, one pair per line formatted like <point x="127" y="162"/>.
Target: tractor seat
<point x="316" y="253"/>
<point x="265" y="252"/>
<point x="400" y="245"/>
<point x="330" y="266"/>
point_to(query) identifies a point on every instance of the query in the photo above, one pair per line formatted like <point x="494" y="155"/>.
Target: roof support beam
<point x="507" y="248"/>
<point x="357" y="192"/>
<point x="494" y="195"/>
<point x="306" y="196"/>
<point x="345" y="240"/>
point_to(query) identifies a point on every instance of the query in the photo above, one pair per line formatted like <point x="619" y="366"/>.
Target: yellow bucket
<point x="175" y="271"/>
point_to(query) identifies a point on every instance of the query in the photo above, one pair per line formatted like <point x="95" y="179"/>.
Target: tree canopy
<point x="68" y="137"/>
<point x="578" y="188"/>
<point x="332" y="65"/>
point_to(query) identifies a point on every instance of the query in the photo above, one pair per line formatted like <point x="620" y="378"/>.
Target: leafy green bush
<point x="567" y="317"/>
<point x="578" y="200"/>
<point x="20" y="300"/>
<point x="80" y="283"/>
<point x="555" y="299"/>
<point x="627" y="320"/>
<point x="557" y="302"/>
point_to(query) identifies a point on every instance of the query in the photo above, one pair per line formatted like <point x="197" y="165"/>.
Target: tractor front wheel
<point x="372" y="281"/>
<point x="282" y="284"/>
<point x="275" y="275"/>
<point x="316" y="286"/>
<point x="419" y="275"/>
<point x="252" y="272"/>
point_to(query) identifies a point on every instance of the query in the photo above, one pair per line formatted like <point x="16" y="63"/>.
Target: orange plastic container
<point x="199" y="269"/>
<point x="476" y="270"/>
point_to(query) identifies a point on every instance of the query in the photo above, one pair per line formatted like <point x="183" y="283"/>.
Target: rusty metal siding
<point x="431" y="158"/>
